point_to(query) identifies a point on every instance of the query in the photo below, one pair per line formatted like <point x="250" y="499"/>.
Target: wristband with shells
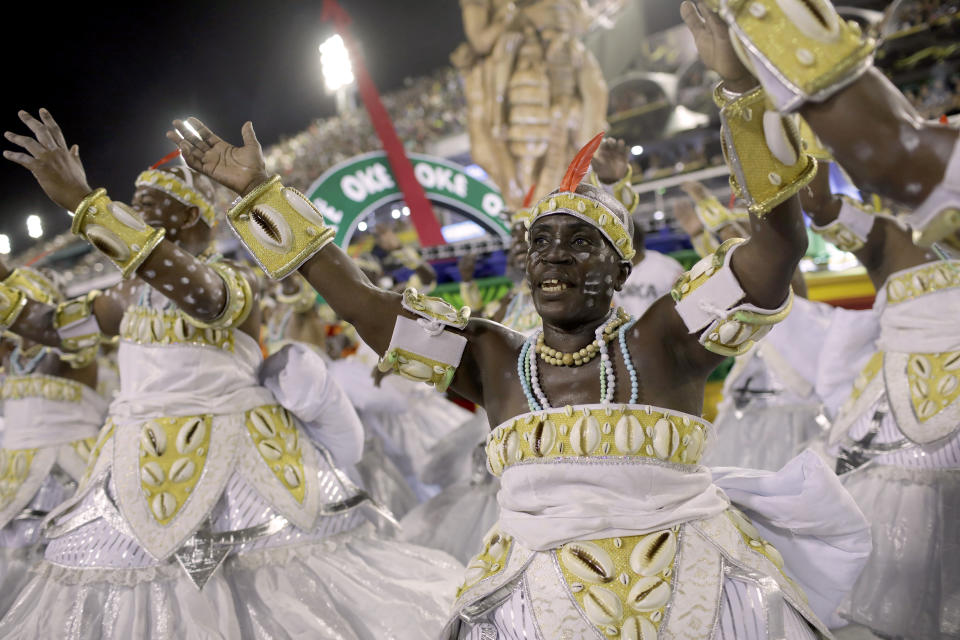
<point x="33" y="283"/>
<point x="79" y="331"/>
<point x="850" y="230"/>
<point x="116" y="230"/>
<point x="762" y="148"/>
<point x="800" y="50"/>
<point x="12" y="302"/>
<point x="279" y="226"/>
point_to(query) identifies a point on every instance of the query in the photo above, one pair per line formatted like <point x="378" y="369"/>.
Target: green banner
<point x="347" y="192"/>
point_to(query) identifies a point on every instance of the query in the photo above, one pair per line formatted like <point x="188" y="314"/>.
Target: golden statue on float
<point x="535" y="93"/>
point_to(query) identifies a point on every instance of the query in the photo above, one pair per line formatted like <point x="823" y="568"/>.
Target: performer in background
<point x="52" y="414"/>
<point x="216" y="504"/>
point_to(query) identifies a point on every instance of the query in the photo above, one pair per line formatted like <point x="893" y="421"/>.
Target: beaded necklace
<point x="529" y="375"/>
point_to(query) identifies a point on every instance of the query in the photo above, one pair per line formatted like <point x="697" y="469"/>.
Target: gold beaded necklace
<point x="586" y="354"/>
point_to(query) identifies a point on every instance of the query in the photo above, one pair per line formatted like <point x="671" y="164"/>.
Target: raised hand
<point x="695" y="190"/>
<point x="467" y="265"/>
<point x="237" y="168"/>
<point x="57" y="168"/>
<point x="610" y="161"/>
<point x="712" y="37"/>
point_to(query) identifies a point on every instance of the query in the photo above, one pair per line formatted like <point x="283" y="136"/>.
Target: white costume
<point x="51" y="424"/>
<point x="898" y="446"/>
<point x="650" y="279"/>
<point x="772" y="405"/>
<point x="198" y="465"/>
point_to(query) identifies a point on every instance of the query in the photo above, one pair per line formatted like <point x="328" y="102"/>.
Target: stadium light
<point x="34" y="226"/>
<point x="636" y="150"/>
<point x="362" y="226"/>
<point x="335" y="64"/>
<point x="4" y="244"/>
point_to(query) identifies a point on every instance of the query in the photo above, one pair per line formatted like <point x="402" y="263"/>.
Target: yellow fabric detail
<point x="928" y="278"/>
<point x="84" y="448"/>
<point x="239" y="301"/>
<point x="704" y="244"/>
<point x="702" y="271"/>
<point x="116" y="230"/>
<point x="489" y="562"/>
<point x="566" y="433"/>
<point x="280" y="227"/>
<point x="814" y="58"/>
<point x="418" y="368"/>
<point x="941" y="228"/>
<point x="78" y="350"/>
<point x="934" y="380"/>
<point x="763" y="151"/>
<point x="33" y="283"/>
<point x="867" y="374"/>
<point x="171" y="326"/>
<point x="622" y="188"/>
<point x="275" y="436"/>
<point x="14" y="468"/>
<point x="41" y="386"/>
<point x="12" y="302"/>
<point x="434" y="308"/>
<point x="303" y="300"/>
<point x="715" y="216"/>
<point x="737" y="333"/>
<point x="173" y="453"/>
<point x="106" y="432"/>
<point x="591" y="211"/>
<point x="179" y="191"/>
<point x="624" y="584"/>
<point x="839" y="235"/>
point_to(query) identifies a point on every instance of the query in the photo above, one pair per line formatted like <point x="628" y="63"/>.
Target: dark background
<point x="114" y="76"/>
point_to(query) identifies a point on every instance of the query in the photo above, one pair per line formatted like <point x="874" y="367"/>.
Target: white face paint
<point x="191" y="268"/>
<point x="167" y="262"/>
<point x="189" y="299"/>
<point x="184" y="280"/>
<point x="914" y="188"/>
<point x="168" y="287"/>
<point x="149" y="273"/>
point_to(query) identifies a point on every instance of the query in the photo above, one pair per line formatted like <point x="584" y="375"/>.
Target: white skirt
<point x="456" y="520"/>
<point x="762" y="437"/>
<point x="15" y="565"/>
<point x="911" y="585"/>
<point x="350" y="586"/>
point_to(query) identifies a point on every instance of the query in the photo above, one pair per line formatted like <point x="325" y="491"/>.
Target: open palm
<point x="237" y="168"/>
<point x="712" y="37"/>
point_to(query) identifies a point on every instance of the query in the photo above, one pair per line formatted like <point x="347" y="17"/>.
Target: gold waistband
<point x="41" y="386"/>
<point x="928" y="278"/>
<point x="149" y="326"/>
<point x="596" y="431"/>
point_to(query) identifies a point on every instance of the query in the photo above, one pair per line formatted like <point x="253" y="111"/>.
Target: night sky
<point x="115" y="78"/>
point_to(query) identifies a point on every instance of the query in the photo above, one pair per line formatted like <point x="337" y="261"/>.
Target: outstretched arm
<point x="194" y="286"/>
<point x="334" y="275"/>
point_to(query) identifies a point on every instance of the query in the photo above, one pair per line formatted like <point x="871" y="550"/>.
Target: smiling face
<point x="573" y="271"/>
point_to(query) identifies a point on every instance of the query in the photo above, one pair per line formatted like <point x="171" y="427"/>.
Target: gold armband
<point x="12" y="302"/>
<point x="423" y="350"/>
<point x="116" y="230"/>
<point x="239" y="301"/>
<point x="622" y="189"/>
<point x="709" y="300"/>
<point x="33" y="283"/>
<point x="303" y="300"/>
<point x="715" y="216"/>
<point x="762" y="149"/>
<point x="800" y="50"/>
<point x="850" y="230"/>
<point x="280" y="227"/>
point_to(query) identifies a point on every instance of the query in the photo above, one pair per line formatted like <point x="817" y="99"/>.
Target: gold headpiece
<point x="615" y="225"/>
<point x="182" y="185"/>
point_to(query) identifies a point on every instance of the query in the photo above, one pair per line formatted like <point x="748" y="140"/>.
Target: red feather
<point x="528" y="199"/>
<point x="581" y="164"/>
<point x="165" y="159"/>
<point x="944" y="119"/>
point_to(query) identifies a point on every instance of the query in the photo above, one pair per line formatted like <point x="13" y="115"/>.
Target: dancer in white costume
<point x="202" y="464"/>
<point x="579" y="551"/>
<point x="52" y="416"/>
<point x="895" y="441"/>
